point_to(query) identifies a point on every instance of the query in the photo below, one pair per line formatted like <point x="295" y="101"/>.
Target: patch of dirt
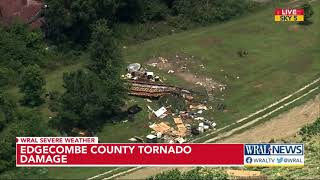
<point x="258" y="86"/>
<point x="283" y="126"/>
<point x="207" y="42"/>
<point x="181" y="67"/>
<point x="296" y="28"/>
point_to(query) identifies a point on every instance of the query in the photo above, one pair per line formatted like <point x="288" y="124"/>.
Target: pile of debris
<point x="145" y="84"/>
<point x="187" y="123"/>
<point x="188" y="120"/>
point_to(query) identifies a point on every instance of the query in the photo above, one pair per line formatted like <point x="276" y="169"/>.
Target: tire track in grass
<point x="259" y="118"/>
<point x="260" y="111"/>
<point x="102" y="174"/>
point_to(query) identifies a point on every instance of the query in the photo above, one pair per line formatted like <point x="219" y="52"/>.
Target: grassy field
<point x="282" y="57"/>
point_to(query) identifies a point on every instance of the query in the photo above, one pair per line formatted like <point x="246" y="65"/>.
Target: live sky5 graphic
<point x="273" y="155"/>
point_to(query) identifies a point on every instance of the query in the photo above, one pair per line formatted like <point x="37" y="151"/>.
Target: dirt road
<point x="282" y="126"/>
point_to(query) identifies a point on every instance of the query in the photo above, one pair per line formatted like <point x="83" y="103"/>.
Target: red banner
<point x="37" y="154"/>
<point x="289" y="12"/>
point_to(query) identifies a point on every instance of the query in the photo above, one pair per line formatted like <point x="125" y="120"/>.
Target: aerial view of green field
<point x="176" y="71"/>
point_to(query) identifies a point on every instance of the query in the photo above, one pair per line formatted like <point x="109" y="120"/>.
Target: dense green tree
<point x="155" y="10"/>
<point x="68" y="22"/>
<point x="93" y="96"/>
<point x="308" y="12"/>
<point x="87" y="103"/>
<point x="104" y="51"/>
<point x="32" y="85"/>
<point x="24" y="122"/>
<point x="19" y="47"/>
<point x="7" y="107"/>
<point x="107" y="63"/>
<point x="210" y="11"/>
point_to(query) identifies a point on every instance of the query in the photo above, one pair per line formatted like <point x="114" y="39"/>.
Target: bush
<point x="7" y="76"/>
<point x="311" y="129"/>
<point x="197" y="173"/>
<point x="205" y="12"/>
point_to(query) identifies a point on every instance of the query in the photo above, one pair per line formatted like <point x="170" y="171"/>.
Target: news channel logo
<point x="289" y="15"/>
<point x="268" y="155"/>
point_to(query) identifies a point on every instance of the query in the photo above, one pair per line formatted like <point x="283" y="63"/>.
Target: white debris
<point x="151" y="74"/>
<point x="133" y="140"/>
<point x="150" y="108"/>
<point x="128" y="75"/>
<point x="199" y="118"/>
<point x="199" y="83"/>
<point x="134" y="67"/>
<point x="170" y="71"/>
<point x="159" y="134"/>
<point x="200" y="129"/>
<point x="153" y="64"/>
<point x="160" y="111"/>
<point x="180" y="140"/>
<point x="214" y="125"/>
<point x="200" y="112"/>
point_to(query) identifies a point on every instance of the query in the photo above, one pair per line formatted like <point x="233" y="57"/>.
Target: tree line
<point x="68" y="22"/>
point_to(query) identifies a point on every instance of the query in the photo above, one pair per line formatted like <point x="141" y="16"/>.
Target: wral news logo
<point x="273" y="155"/>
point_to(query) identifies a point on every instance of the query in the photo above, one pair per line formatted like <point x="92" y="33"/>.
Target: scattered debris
<point x="133" y="140"/>
<point x="199" y="107"/>
<point x="180" y="140"/>
<point x="160" y="111"/>
<point x="139" y="88"/>
<point x="195" y="131"/>
<point x="201" y="127"/>
<point x="153" y="64"/>
<point x="150" y="75"/>
<point x="139" y="139"/>
<point x="151" y="138"/>
<point x="161" y="127"/>
<point x="181" y="105"/>
<point x="134" y="109"/>
<point x="132" y="68"/>
<point x="159" y="135"/>
<point x="181" y="127"/>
